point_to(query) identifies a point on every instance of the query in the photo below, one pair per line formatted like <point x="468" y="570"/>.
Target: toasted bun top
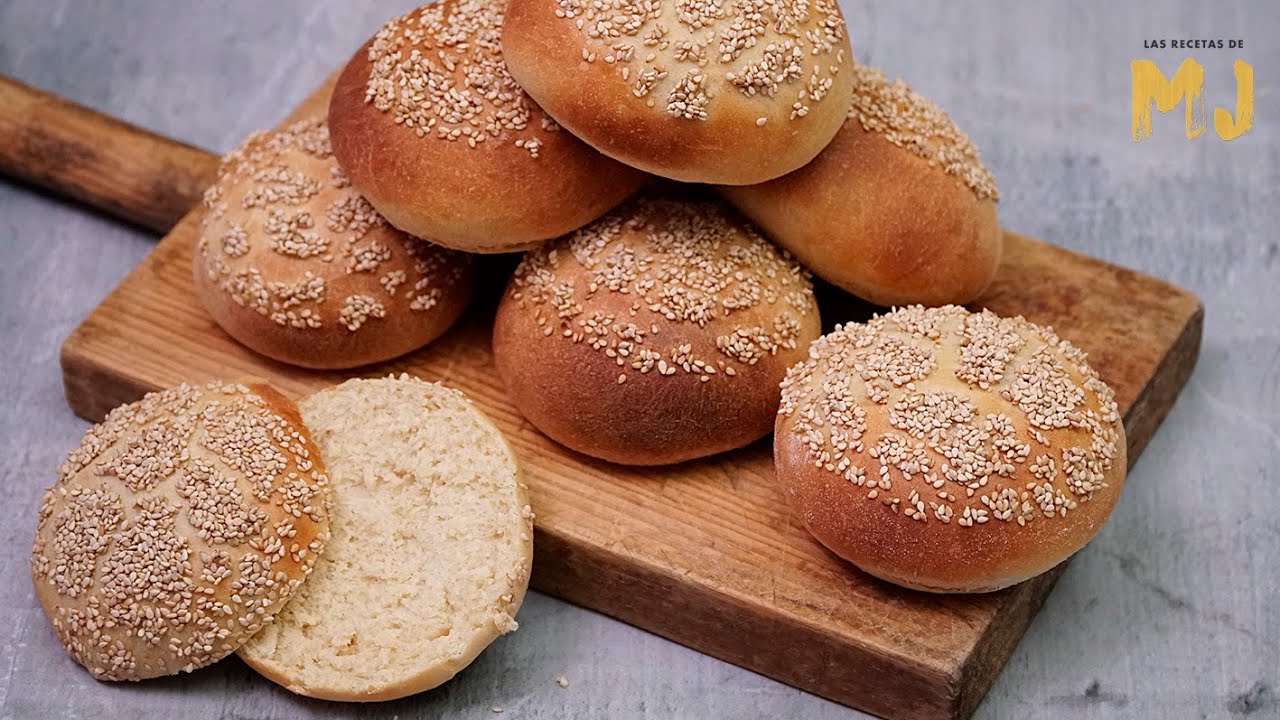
<point x="438" y="71"/>
<point x="678" y="56"/>
<point x="945" y="415"/>
<point x="912" y="122"/>
<point x="287" y="237"/>
<point x="666" y="286"/>
<point x="712" y="91"/>
<point x="178" y="528"/>
<point x="431" y="127"/>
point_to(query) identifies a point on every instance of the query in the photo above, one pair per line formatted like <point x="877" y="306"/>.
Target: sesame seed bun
<point x="732" y="92"/>
<point x="431" y="549"/>
<point x="296" y="265"/>
<point x="949" y="451"/>
<point x="655" y="335"/>
<point x="178" y="528"/>
<point x="469" y="161"/>
<point x="897" y="210"/>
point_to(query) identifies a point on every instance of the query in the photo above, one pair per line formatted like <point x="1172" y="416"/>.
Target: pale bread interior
<point x="430" y="550"/>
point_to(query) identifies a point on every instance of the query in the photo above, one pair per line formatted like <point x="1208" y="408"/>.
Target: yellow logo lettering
<point x="1150" y="86"/>
<point x="1229" y="128"/>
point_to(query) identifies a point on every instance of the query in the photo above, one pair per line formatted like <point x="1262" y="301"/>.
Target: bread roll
<point x="711" y="91"/>
<point x="178" y="528"/>
<point x="431" y="548"/>
<point x="949" y="451"/>
<point x="655" y="335"/>
<point x="295" y="264"/>
<point x="897" y="210"/>
<point x="431" y="127"/>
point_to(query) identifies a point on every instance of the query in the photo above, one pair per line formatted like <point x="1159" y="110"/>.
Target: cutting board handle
<point x="79" y="153"/>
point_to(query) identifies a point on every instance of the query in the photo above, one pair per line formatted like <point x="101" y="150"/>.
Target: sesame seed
<point x="357" y="309"/>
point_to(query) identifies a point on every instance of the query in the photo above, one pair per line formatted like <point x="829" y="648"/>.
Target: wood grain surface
<point x="108" y="164"/>
<point x="706" y="553"/>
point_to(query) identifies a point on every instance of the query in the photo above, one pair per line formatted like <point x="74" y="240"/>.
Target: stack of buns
<point x="648" y="323"/>
<point x="648" y="331"/>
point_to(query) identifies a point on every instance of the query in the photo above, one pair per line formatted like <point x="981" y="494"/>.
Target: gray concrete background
<point x="1171" y="612"/>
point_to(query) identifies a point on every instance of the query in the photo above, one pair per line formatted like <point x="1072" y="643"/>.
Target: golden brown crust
<point x="595" y="87"/>
<point x="575" y="341"/>
<point x="573" y="396"/>
<point x="883" y="221"/>
<point x="180" y="526"/>
<point x="293" y="263"/>
<point x="281" y="405"/>
<point x="1033" y="482"/>
<point x="523" y="182"/>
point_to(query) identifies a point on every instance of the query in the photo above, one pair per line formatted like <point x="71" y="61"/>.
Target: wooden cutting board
<point x="705" y="553"/>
